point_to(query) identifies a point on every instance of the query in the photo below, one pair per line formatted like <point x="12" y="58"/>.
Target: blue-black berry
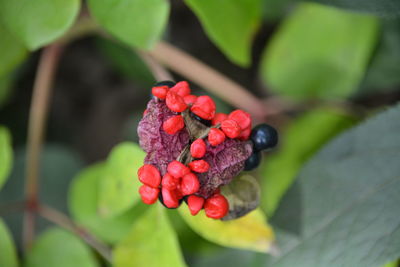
<point x="165" y="83"/>
<point x="264" y="136"/>
<point x="253" y="161"/>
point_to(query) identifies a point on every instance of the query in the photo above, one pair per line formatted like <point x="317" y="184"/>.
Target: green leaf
<point x="40" y="22"/>
<point x="344" y="205"/>
<point x="319" y="52"/>
<point x="120" y="184"/>
<point x="57" y="247"/>
<point x="231" y="25"/>
<point x="300" y="140"/>
<point x="382" y="74"/>
<point x="139" y="23"/>
<point x="391" y="264"/>
<point x="152" y="242"/>
<point x="8" y="256"/>
<point x="83" y="202"/>
<point x="383" y="8"/>
<point x="6" y="155"/>
<point x="12" y="52"/>
<point x="250" y="232"/>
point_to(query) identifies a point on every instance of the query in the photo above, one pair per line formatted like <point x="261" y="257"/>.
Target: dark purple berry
<point x="253" y="161"/>
<point x="264" y="137"/>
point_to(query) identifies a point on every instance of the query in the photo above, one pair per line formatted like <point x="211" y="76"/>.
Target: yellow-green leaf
<point x="152" y="242"/>
<point x="83" y="198"/>
<point x="139" y="23"/>
<point x="39" y="22"/>
<point x="6" y="154"/>
<point x="231" y="25"/>
<point x="391" y="264"/>
<point x="120" y="184"/>
<point x="12" y="52"/>
<point x="57" y="247"/>
<point x="8" y="255"/>
<point x="250" y="232"/>
<point x="319" y="52"/>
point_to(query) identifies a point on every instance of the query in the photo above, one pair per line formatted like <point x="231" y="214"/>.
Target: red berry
<point x="175" y="102"/>
<point x="195" y="204"/>
<point x="181" y="88"/>
<point x="149" y="194"/>
<point x="169" y="182"/>
<point x="245" y="134"/>
<point x="160" y="91"/>
<point x="178" y="192"/>
<point x="218" y="118"/>
<point x="204" y="107"/>
<point x="199" y="166"/>
<point x="216" y="206"/>
<point x="177" y="169"/>
<point x="198" y="148"/>
<point x="231" y="128"/>
<point x="189" y="184"/>
<point x="216" y="136"/>
<point x="190" y="99"/>
<point x="241" y="117"/>
<point x="149" y="175"/>
<point x="170" y="198"/>
<point x="173" y="124"/>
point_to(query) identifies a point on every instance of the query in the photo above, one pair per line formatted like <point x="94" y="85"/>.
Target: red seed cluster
<point x="173" y="124"/>
<point x="204" y="107"/>
<point x="198" y="148"/>
<point x="216" y="136"/>
<point x="180" y="180"/>
<point x="218" y="118"/>
<point x="215" y="206"/>
<point x="199" y="166"/>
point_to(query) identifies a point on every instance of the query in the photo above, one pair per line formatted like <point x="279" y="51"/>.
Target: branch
<point x="158" y="71"/>
<point x="205" y="76"/>
<point x="37" y="123"/>
<point x="63" y="221"/>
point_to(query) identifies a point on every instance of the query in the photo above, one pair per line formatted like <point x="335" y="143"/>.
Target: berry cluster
<point x="192" y="150"/>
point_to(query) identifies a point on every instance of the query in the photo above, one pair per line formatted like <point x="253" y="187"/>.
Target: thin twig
<point x="62" y="220"/>
<point x="158" y="71"/>
<point x="215" y="82"/>
<point x="37" y="123"/>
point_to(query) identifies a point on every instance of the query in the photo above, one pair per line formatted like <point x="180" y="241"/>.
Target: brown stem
<point x="62" y="220"/>
<point x="158" y="71"/>
<point x="37" y="123"/>
<point x="208" y="78"/>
